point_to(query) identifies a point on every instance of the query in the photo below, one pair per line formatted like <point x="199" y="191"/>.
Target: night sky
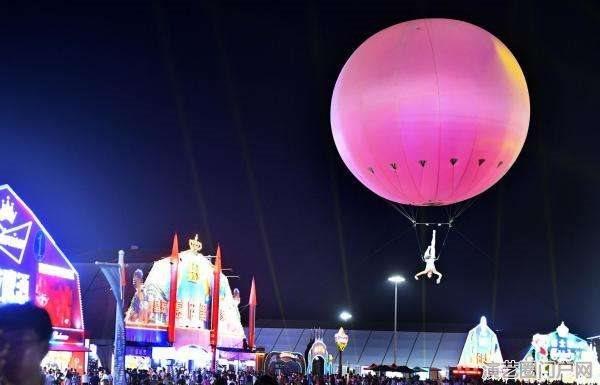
<point x="122" y="123"/>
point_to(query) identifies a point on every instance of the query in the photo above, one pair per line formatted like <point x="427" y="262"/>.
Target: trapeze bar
<point x="449" y="224"/>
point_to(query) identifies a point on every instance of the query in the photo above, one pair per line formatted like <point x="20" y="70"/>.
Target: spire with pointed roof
<point x="175" y="247"/>
<point x="173" y="288"/>
<point x="252" y="300"/>
<point x="252" y="315"/>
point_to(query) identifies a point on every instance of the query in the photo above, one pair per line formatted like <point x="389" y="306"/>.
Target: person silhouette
<point x="25" y="333"/>
<point x="429" y="258"/>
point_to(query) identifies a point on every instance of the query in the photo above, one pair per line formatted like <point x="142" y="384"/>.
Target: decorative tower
<point x="173" y="289"/>
<point x="215" y="297"/>
<point x="252" y="315"/>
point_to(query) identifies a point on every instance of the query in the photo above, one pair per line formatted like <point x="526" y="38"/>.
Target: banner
<point x="112" y="272"/>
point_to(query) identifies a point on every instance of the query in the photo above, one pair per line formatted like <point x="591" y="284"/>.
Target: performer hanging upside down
<point x="429" y="258"/>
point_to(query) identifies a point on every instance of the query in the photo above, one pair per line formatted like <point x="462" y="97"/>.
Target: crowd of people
<point x="73" y="377"/>
<point x="25" y="333"/>
<point x="201" y="377"/>
<point x="164" y="376"/>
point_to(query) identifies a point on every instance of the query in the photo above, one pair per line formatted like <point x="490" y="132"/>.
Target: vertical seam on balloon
<point x="363" y="177"/>
<point x="452" y="180"/>
<point x="468" y="190"/>
<point x="422" y="175"/>
<point x="399" y="183"/>
<point x="394" y="80"/>
<point x="382" y="170"/>
<point x="401" y="146"/>
<point x="398" y="187"/>
<point x="473" y="179"/>
<point x="375" y="163"/>
<point x="437" y="83"/>
<point x="467" y="166"/>
<point x="492" y="166"/>
<point x="475" y="184"/>
<point x="412" y="179"/>
<point x="502" y="153"/>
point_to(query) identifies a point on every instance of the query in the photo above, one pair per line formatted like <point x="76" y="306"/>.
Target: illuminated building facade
<point x="33" y="268"/>
<point x="561" y="347"/>
<point x="481" y="347"/>
<point x="151" y="333"/>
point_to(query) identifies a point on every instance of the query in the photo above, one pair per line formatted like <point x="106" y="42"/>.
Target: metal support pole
<point x="395" y="320"/>
<point x="340" y="366"/>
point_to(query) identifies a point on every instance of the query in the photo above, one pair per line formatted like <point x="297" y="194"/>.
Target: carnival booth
<point x="319" y="360"/>
<point x="33" y="268"/>
<point x="563" y="356"/>
<point x="481" y="349"/>
<point x="183" y="285"/>
<point x="285" y="363"/>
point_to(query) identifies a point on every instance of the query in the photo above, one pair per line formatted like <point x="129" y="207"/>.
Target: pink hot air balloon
<point x="430" y="112"/>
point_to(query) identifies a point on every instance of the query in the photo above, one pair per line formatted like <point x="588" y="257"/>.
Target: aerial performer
<point x="429" y="258"/>
<point x="429" y="113"/>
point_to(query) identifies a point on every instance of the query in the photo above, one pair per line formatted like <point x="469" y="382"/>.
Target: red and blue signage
<point x="33" y="268"/>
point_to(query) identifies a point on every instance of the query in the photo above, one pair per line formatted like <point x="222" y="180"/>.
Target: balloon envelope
<point x="430" y="111"/>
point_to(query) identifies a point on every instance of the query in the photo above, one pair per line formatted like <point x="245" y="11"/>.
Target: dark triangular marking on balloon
<point x="371" y="169"/>
<point x="393" y="165"/>
<point x="500" y="164"/>
<point x="481" y="161"/>
<point x="453" y="161"/>
<point x="422" y="163"/>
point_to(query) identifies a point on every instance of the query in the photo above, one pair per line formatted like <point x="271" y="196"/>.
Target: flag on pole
<point x="114" y="275"/>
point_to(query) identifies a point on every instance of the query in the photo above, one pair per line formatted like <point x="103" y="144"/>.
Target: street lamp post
<point x="396" y="279"/>
<point x="341" y="340"/>
<point x="345" y="316"/>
